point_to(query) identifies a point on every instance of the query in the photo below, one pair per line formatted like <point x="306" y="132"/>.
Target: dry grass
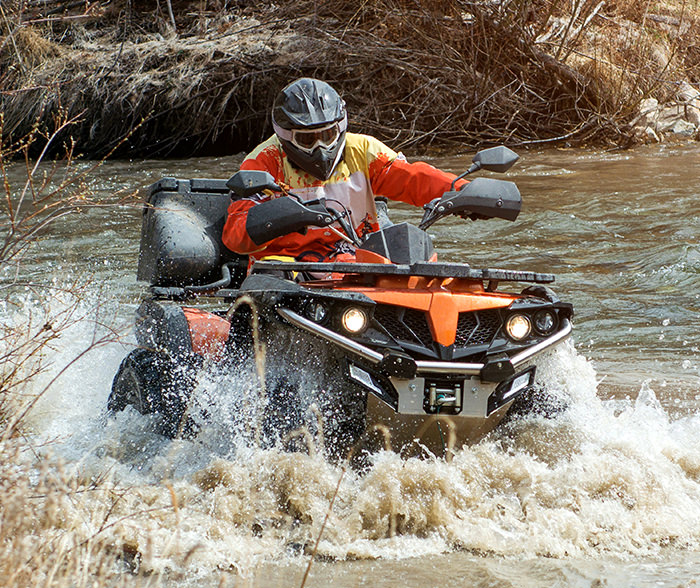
<point x="57" y="529"/>
<point x="45" y="521"/>
<point x="51" y="191"/>
<point x="447" y="72"/>
<point x="60" y="530"/>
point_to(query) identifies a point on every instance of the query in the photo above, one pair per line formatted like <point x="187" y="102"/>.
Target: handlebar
<point x="480" y="198"/>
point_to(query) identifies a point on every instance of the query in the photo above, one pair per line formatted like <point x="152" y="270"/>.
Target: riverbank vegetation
<point x="50" y="519"/>
<point x="199" y="76"/>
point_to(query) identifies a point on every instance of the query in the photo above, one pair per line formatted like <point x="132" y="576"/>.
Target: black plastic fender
<point x="163" y="326"/>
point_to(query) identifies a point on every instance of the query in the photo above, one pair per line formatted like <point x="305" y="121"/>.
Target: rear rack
<point x="421" y="269"/>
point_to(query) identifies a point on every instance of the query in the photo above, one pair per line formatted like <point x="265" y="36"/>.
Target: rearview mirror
<point x="247" y="182"/>
<point x="496" y="159"/>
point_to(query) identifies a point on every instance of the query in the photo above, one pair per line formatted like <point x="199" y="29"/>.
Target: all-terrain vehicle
<point x="430" y="350"/>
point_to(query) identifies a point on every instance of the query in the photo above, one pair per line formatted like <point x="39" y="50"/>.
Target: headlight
<point x="316" y="311"/>
<point x="545" y="322"/>
<point x="518" y="327"/>
<point x="354" y="320"/>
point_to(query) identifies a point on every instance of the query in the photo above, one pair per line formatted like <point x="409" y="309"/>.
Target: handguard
<point x="482" y="197"/>
<point x="281" y="216"/>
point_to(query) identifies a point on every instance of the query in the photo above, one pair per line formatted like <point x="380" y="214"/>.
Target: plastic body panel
<point x="402" y="243"/>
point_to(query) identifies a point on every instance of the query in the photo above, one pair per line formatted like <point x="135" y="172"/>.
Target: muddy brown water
<point x="605" y="494"/>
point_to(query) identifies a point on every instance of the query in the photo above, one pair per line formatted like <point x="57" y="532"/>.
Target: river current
<point x="606" y="493"/>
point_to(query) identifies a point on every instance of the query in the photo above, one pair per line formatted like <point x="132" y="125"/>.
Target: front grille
<point x="388" y="317"/>
<point x="477" y="328"/>
<point x="417" y="322"/>
<point x="404" y="324"/>
<point x="411" y="326"/>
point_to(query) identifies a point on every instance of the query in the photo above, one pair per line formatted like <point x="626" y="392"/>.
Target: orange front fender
<point x="208" y="332"/>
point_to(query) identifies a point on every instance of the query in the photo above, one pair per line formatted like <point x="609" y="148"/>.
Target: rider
<point x="313" y="155"/>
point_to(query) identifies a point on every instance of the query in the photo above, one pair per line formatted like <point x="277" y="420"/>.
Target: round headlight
<point x="518" y="327"/>
<point x="354" y="320"/>
<point x="316" y="311"/>
<point x="545" y="322"/>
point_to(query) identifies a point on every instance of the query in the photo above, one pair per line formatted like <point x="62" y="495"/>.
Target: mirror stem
<point x="472" y="168"/>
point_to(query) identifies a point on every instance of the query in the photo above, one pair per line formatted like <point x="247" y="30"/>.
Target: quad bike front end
<point x="425" y="342"/>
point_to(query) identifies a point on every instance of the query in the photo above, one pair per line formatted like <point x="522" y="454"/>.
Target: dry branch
<point x="448" y="72"/>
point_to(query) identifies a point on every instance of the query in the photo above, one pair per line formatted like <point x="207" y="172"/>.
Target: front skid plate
<point x="425" y="434"/>
<point x="466" y="397"/>
<point x="474" y="395"/>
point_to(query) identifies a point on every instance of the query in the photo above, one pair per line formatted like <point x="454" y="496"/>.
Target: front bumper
<point x="470" y="389"/>
<point x="486" y="371"/>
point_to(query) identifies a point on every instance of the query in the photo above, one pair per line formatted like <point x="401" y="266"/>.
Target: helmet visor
<point x="308" y="139"/>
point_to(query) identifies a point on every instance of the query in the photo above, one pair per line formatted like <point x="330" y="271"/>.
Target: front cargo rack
<point x="421" y="269"/>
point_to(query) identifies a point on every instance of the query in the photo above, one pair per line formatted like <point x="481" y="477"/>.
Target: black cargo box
<point x="181" y="232"/>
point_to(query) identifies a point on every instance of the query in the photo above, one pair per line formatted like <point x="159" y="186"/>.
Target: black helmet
<point x="310" y="121"/>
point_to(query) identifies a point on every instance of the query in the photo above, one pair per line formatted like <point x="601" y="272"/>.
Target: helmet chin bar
<point x="321" y="163"/>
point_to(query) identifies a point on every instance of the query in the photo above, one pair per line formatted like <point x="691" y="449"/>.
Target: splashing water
<point x="601" y="479"/>
<point x="605" y="492"/>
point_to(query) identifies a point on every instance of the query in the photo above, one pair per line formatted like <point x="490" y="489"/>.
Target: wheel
<point x="294" y="387"/>
<point x="308" y="387"/>
<point x="344" y="410"/>
<point x="283" y="413"/>
<point x="153" y="384"/>
<point x="535" y="401"/>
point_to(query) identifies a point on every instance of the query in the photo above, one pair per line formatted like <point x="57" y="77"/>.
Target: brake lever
<point x="429" y="216"/>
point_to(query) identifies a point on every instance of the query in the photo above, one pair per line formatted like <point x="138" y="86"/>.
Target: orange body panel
<point x="441" y="298"/>
<point x="208" y="332"/>
<point x="364" y="256"/>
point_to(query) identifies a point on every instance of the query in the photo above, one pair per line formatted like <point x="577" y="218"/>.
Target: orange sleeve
<point x="235" y="237"/>
<point x="267" y="158"/>
<point x="413" y="183"/>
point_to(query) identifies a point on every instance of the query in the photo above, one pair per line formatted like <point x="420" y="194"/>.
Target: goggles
<point x="308" y="139"/>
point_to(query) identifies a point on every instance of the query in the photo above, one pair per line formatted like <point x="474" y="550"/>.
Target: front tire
<point x="311" y="374"/>
<point x="153" y="384"/>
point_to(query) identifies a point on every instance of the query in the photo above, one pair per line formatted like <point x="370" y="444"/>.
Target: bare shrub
<point x="445" y="72"/>
<point x="57" y="529"/>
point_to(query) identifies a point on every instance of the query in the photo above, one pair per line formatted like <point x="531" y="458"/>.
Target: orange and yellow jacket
<point x="368" y="169"/>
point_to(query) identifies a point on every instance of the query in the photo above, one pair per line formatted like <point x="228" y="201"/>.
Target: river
<point x="605" y="494"/>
